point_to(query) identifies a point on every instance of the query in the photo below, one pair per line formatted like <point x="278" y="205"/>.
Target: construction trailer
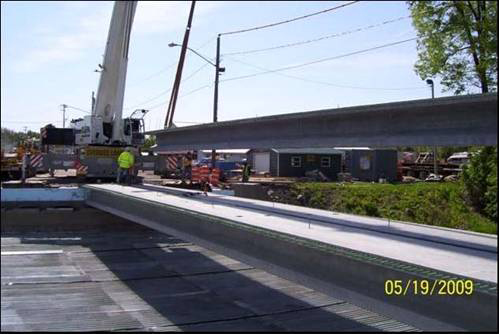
<point x="295" y="162"/>
<point x="371" y="165"/>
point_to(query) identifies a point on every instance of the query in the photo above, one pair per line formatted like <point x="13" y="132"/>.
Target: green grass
<point x="440" y="204"/>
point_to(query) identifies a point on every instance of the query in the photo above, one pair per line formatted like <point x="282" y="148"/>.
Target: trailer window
<point x="295" y="161"/>
<point x="325" y="161"/>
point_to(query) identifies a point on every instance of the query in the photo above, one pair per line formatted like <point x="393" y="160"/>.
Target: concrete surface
<point x="351" y="259"/>
<point x="459" y="252"/>
<point x="91" y="271"/>
<point x="62" y="194"/>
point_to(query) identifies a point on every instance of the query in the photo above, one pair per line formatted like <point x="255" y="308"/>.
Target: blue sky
<point x="51" y="49"/>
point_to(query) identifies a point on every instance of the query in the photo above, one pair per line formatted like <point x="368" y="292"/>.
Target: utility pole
<point x="178" y="77"/>
<point x="435" y="166"/>
<point x="93" y="103"/>
<point x="218" y="70"/>
<point x="64" y="106"/>
<point x="215" y="98"/>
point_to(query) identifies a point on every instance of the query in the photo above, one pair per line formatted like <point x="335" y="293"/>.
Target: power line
<point x="182" y="122"/>
<point x="169" y="66"/>
<point x="318" y="61"/>
<point x="68" y="106"/>
<point x="186" y="94"/>
<point x="168" y="90"/>
<point x="292" y="67"/>
<point x="324" y="82"/>
<point x="195" y="90"/>
<point x="30" y="122"/>
<point x="153" y="75"/>
<point x="206" y="43"/>
<point x="318" y="39"/>
<point x="287" y="21"/>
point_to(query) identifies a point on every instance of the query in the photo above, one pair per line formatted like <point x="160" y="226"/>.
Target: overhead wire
<point x="323" y="82"/>
<point x="29" y="122"/>
<point x="154" y="74"/>
<point x="286" y="68"/>
<point x="289" y="20"/>
<point x="318" y="39"/>
<point x="169" y="89"/>
<point x="276" y="71"/>
<point x="88" y="112"/>
<point x="206" y="43"/>
<point x="181" y="96"/>
<point x="168" y="66"/>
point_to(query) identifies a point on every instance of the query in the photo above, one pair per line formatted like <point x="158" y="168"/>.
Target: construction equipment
<point x="12" y="161"/>
<point x="99" y="138"/>
<point x="425" y="158"/>
<point x="10" y="165"/>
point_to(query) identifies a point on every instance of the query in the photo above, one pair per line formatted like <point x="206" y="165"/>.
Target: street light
<point x="218" y="70"/>
<point x="435" y="167"/>
<point x="64" y="106"/>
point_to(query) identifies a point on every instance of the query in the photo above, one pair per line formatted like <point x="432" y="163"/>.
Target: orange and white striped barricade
<point x="43" y="132"/>
<point x="37" y="160"/>
<point x="171" y="162"/>
<point x="215" y="177"/>
<point x="195" y="174"/>
<point x="80" y="168"/>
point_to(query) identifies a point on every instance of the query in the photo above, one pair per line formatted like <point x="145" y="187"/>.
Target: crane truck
<point x="100" y="137"/>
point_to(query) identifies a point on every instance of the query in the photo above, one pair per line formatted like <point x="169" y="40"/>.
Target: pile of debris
<point x="431" y="178"/>
<point x="315" y="175"/>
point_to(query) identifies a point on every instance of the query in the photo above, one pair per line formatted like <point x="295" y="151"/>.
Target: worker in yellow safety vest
<point x="126" y="161"/>
<point x="246" y="172"/>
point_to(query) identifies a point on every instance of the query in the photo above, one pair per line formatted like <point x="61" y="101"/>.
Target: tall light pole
<point x="435" y="166"/>
<point x="218" y="70"/>
<point x="64" y="106"/>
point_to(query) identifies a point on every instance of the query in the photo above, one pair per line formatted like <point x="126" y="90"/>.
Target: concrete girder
<point x="446" y="121"/>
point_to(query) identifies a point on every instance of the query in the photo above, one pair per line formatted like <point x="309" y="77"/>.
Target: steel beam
<point x="446" y="121"/>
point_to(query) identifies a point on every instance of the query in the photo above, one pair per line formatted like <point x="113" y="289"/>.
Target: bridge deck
<point x="461" y="253"/>
<point x="95" y="272"/>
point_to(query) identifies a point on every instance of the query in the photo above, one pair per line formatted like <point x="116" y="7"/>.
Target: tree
<point x="457" y="40"/>
<point x="480" y="181"/>
<point x="11" y="138"/>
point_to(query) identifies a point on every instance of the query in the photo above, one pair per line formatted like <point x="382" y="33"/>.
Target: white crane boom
<point x="110" y="94"/>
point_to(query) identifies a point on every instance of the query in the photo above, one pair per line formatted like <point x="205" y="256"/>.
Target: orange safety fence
<point x="204" y="173"/>
<point x="199" y="174"/>
<point x="195" y="176"/>
<point x="215" y="177"/>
